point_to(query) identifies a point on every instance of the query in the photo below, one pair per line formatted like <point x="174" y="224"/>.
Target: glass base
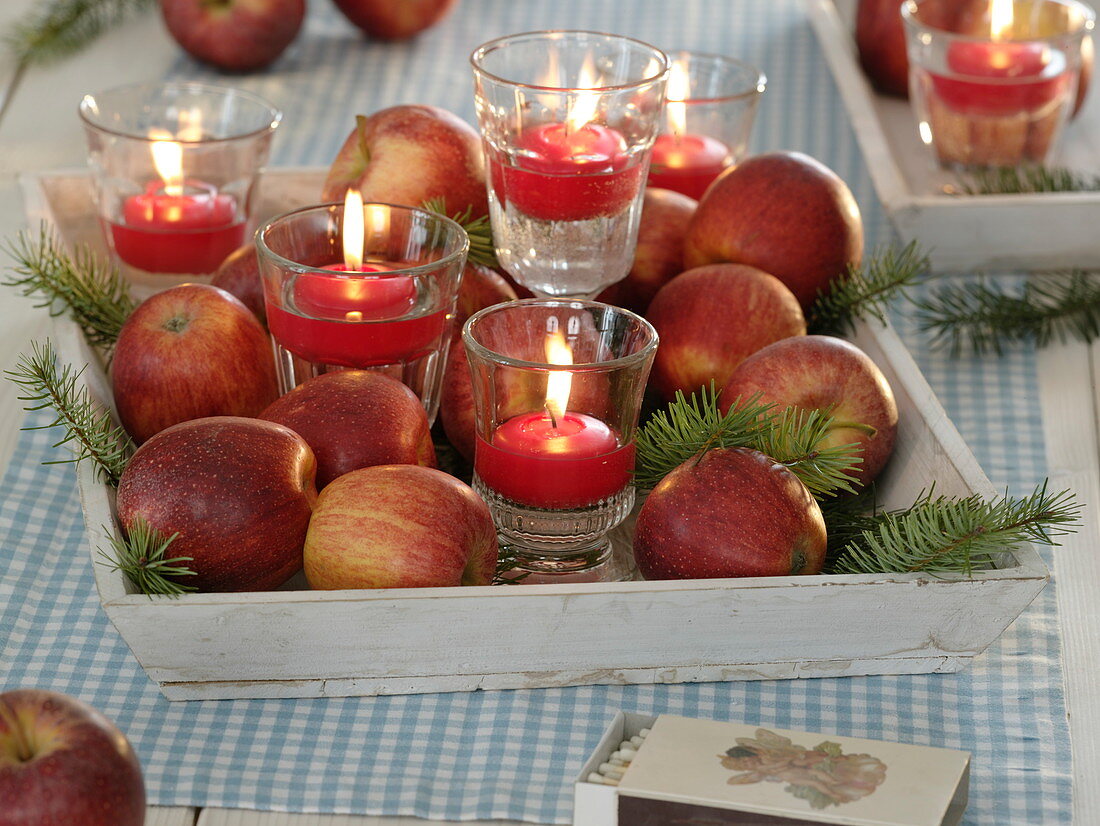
<point x="603" y="562"/>
<point x="560" y="545"/>
<point x="565" y="259"/>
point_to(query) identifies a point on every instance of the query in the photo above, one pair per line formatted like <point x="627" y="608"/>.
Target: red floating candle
<point x="360" y="317"/>
<point x="687" y="164"/>
<point x="176" y="226"/>
<point x="554" y="458"/>
<point x="572" y="171"/>
<point x="681" y="161"/>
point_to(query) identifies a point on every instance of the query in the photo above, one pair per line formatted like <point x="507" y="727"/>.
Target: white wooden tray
<point x="305" y="644"/>
<point x="1015" y="232"/>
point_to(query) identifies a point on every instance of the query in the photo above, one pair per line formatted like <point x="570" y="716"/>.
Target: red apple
<point x="400" y="526"/>
<point x="828" y="374"/>
<point x="730" y="513"/>
<point x="239" y="275"/>
<point x="63" y="762"/>
<point x="234" y="35"/>
<point x="784" y="213"/>
<point x="711" y="318"/>
<point x="880" y="39"/>
<point x="239" y="492"/>
<point x="659" y="255"/>
<point x="456" y="402"/>
<point x="480" y="287"/>
<point x="389" y="20"/>
<point x="411" y="154"/>
<point x="355" y="418"/>
<point x="189" y="352"/>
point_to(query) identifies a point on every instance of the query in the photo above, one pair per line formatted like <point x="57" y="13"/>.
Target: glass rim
<point x="205" y="88"/>
<point x="1088" y="22"/>
<point x="619" y="363"/>
<point x="417" y="271"/>
<point x="756" y="90"/>
<point x="481" y="51"/>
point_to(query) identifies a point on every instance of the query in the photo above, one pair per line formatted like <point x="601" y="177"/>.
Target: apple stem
<point x="176" y="324"/>
<point x="860" y="426"/>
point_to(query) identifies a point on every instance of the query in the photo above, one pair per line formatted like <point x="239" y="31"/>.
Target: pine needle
<point x="140" y="555"/>
<point x="985" y="317"/>
<point x="89" y="429"/>
<point x="952" y="536"/>
<point x="689" y="426"/>
<point x="480" y="231"/>
<point x="94" y="293"/>
<point x="57" y="29"/>
<point x="1027" y="180"/>
<point x="864" y="293"/>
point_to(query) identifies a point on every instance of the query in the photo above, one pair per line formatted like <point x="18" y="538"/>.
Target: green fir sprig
<point x="943" y="536"/>
<point x="1027" y="180"/>
<point x="865" y="291"/>
<point x="142" y="556"/>
<point x="689" y="426"/>
<point x="480" y="231"/>
<point x="985" y="317"/>
<point x="92" y="291"/>
<point x="89" y="430"/>
<point x="56" y="29"/>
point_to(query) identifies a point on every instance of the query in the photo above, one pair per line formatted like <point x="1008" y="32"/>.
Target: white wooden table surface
<point x="40" y="130"/>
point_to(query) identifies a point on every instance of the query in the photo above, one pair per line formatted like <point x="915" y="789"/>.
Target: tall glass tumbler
<point x="557" y="388"/>
<point x="568" y="120"/>
<point x="389" y="311"/>
<point x="175" y="169"/>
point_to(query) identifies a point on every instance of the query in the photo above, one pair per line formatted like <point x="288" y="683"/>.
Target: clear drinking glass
<point x="710" y="107"/>
<point x="391" y="314"/>
<point x="557" y="388"/>
<point x="996" y="85"/>
<point x="175" y="169"/>
<point x="568" y="120"/>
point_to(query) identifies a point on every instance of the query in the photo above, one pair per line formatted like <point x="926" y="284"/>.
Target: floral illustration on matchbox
<point x="823" y="776"/>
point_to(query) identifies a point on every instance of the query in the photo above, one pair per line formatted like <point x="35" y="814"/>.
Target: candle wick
<point x="553" y="418"/>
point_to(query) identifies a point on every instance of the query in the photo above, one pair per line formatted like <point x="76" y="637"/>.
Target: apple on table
<point x="833" y="376"/>
<point x="234" y="35"/>
<point x="394" y="19"/>
<point x="711" y="318"/>
<point x="189" y="352"/>
<point x="400" y="526"/>
<point x="239" y="275"/>
<point x="63" y="762"/>
<point x="732" y="512"/>
<point x="784" y="213"/>
<point x="238" y="492"/>
<point x="411" y="154"/>
<point x="659" y="253"/>
<point x="356" y="418"/>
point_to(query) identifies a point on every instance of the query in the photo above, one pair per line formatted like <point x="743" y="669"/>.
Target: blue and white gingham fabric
<point x="512" y="754"/>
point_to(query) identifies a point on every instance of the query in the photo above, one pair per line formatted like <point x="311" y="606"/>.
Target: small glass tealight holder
<point x="994" y="85"/>
<point x="557" y="388"/>
<point x="175" y="169"/>
<point x="568" y="120"/>
<point x="375" y="292"/>
<point x="710" y="107"/>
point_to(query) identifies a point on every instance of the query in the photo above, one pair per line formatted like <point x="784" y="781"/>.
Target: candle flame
<point x="678" y="89"/>
<point x="353" y="230"/>
<point x="1001" y="20"/>
<point x="584" y="102"/>
<point x="558" y="382"/>
<point x="168" y="161"/>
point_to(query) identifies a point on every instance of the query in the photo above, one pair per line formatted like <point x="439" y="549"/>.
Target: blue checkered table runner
<point x="512" y="754"/>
